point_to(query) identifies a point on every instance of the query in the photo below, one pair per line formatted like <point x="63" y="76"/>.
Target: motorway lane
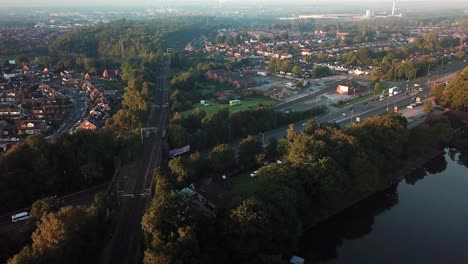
<point x="364" y="109"/>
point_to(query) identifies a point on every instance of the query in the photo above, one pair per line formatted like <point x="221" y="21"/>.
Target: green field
<point x="246" y="104"/>
<point x="243" y="185"/>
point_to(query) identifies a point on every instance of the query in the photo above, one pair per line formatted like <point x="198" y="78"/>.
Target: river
<point x="423" y="219"/>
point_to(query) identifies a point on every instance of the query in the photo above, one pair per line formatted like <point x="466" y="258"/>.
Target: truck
<point x="415" y="101"/>
<point x="393" y="91"/>
<point x="418" y="101"/>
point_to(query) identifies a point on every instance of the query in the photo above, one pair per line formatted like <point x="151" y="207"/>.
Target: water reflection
<point x="463" y="157"/>
<point x="436" y="165"/>
<point x="415" y="176"/>
<point x="321" y="243"/>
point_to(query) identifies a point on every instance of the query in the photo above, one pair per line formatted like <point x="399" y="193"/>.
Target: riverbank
<point x="459" y="139"/>
<point x="410" y="166"/>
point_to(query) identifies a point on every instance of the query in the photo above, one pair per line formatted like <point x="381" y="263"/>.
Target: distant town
<point x="233" y="132"/>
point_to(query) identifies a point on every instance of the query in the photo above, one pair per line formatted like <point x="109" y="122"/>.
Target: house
<point x="7" y="130"/>
<point x="237" y="80"/>
<point x="31" y="127"/>
<point x="9" y="112"/>
<point x="208" y="192"/>
<point x="88" y="124"/>
<point x="39" y="112"/>
<point x="350" y="87"/>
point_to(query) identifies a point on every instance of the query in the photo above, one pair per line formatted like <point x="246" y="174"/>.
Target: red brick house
<point x="31" y="127"/>
<point x="350" y="88"/>
<point x="87" y="125"/>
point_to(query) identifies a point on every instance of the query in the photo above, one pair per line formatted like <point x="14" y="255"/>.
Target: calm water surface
<point x="423" y="219"/>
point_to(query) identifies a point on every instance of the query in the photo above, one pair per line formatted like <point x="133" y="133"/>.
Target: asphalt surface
<point x="76" y="114"/>
<point x="330" y="87"/>
<point x="364" y="109"/>
<point x="125" y="245"/>
<point x="85" y="197"/>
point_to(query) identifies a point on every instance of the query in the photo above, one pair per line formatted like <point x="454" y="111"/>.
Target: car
<point x="410" y="106"/>
<point x="304" y="124"/>
<point x="278" y="162"/>
<point x="253" y="174"/>
<point x="421" y="89"/>
<point x="14" y="139"/>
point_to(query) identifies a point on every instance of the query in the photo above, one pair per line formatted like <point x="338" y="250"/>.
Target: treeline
<point x="123" y="39"/>
<point x="322" y="170"/>
<point x="203" y="131"/>
<point x="12" y="46"/>
<point x="37" y="168"/>
<point x="71" y="234"/>
<point x="406" y="62"/>
<point x="221" y="159"/>
<point x="455" y="94"/>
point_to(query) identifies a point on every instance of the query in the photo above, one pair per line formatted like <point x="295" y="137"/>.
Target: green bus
<point x="234" y="102"/>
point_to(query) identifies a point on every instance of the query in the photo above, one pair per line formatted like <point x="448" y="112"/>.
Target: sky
<point x="36" y="3"/>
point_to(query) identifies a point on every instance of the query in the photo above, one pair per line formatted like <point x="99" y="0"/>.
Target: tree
<point x="427" y="107"/>
<point x="377" y="88"/>
<point x="249" y="148"/>
<point x="247" y="230"/>
<point x="305" y="151"/>
<point x="460" y="54"/>
<point x="163" y="184"/>
<point x="455" y="94"/>
<point x="43" y="207"/>
<point x="271" y="150"/>
<point x="310" y="127"/>
<point x="274" y="64"/>
<point x="221" y="158"/>
<point x="291" y="133"/>
<point x="169" y="231"/>
<point x="124" y="121"/>
<point x="178" y="136"/>
<point x="180" y="169"/>
<point x="296" y="70"/>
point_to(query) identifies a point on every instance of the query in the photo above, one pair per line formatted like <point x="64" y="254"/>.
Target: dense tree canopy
<point x="455" y="94"/>
<point x="71" y="163"/>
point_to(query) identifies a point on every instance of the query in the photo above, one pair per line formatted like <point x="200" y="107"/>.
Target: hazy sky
<point x="26" y="3"/>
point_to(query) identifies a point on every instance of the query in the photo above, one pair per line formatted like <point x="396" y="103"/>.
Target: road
<point x="331" y="86"/>
<point x="76" y="114"/>
<point x="125" y="245"/>
<point x="85" y="197"/>
<point x="363" y="110"/>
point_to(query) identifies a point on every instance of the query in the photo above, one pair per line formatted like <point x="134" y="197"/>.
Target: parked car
<point x="253" y="174"/>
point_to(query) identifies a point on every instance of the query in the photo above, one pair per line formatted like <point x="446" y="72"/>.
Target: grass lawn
<point x="243" y="185"/>
<point x="247" y="104"/>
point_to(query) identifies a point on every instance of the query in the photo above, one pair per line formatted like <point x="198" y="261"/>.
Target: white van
<point x="20" y="217"/>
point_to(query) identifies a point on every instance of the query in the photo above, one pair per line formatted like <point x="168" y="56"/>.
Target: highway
<point x="364" y="109"/>
<point x="135" y="195"/>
